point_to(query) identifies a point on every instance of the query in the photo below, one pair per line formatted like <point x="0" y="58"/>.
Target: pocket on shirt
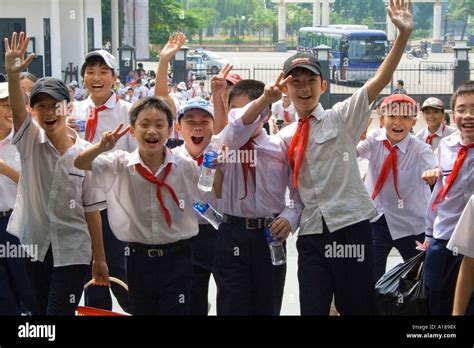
<point x="74" y="186"/>
<point x="326" y="145"/>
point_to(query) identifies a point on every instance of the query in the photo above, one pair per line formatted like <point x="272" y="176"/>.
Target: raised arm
<point x="168" y="52"/>
<point x="402" y="19"/>
<point x="218" y="86"/>
<point x="107" y="143"/>
<point x="15" y="63"/>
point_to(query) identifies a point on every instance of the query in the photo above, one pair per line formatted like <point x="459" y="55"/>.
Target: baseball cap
<point x="195" y="103"/>
<point x="51" y="86"/>
<point x="106" y="56"/>
<point x="233" y="78"/>
<point x="302" y="60"/>
<point x="399" y="99"/>
<point x="3" y="90"/>
<point x="433" y="103"/>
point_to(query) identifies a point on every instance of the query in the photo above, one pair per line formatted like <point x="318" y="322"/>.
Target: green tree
<point x="461" y="10"/>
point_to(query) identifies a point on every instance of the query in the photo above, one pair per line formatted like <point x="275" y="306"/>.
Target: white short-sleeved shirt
<point x="134" y="211"/>
<point x="462" y="239"/>
<point x="441" y="222"/>
<point x="405" y="215"/>
<point x="278" y="111"/>
<point x="442" y="132"/>
<point x="273" y="175"/>
<point x="117" y="112"/>
<point x="8" y="188"/>
<point x="53" y="196"/>
<point x="329" y="182"/>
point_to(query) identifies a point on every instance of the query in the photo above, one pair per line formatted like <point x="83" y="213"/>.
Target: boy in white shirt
<point x="433" y="113"/>
<point x="150" y="194"/>
<point x="56" y="211"/>
<point x="397" y="161"/>
<point x="451" y="193"/>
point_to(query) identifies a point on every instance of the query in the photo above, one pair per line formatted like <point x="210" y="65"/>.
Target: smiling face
<point x="99" y="80"/>
<point x="50" y="114"/>
<point x="464" y="116"/>
<point x="5" y="114"/>
<point x="196" y="126"/>
<point x="433" y="117"/>
<point x="397" y="121"/>
<point x="151" y="129"/>
<point x="304" y="90"/>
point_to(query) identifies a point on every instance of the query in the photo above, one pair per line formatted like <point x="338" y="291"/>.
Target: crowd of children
<point x="105" y="187"/>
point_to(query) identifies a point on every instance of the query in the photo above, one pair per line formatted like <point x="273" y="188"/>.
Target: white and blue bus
<point x="356" y="51"/>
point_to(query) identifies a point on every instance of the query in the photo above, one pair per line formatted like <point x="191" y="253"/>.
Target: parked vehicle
<point x="196" y="64"/>
<point x="212" y="61"/>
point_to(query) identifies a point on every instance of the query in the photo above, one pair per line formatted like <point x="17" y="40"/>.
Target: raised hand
<point x="109" y="139"/>
<point x="15" y="61"/>
<point x="273" y="91"/>
<point x="219" y="82"/>
<point x="401" y="16"/>
<point x="173" y="45"/>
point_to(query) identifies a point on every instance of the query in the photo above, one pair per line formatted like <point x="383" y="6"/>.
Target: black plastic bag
<point x="401" y="291"/>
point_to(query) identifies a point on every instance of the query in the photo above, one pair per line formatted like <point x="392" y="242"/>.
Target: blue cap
<point x="195" y="103"/>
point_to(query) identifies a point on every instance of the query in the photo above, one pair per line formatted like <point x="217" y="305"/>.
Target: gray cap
<point x="106" y="56"/>
<point x="51" y="86"/>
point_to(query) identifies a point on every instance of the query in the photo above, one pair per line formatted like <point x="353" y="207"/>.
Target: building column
<point x="115" y="28"/>
<point x="391" y="30"/>
<point x="142" y="37"/>
<point x="325" y="12"/>
<point x="281" y="46"/>
<point x="56" y="63"/>
<point x="316" y="13"/>
<point x="437" y="46"/>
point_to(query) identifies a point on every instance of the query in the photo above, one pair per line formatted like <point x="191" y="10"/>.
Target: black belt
<point x="247" y="223"/>
<point x="159" y="250"/>
<point x="6" y="213"/>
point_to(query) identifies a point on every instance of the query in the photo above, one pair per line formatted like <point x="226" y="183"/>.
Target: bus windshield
<point x="367" y="50"/>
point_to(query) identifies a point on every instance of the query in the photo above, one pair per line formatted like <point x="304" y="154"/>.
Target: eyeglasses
<point x="463" y="112"/>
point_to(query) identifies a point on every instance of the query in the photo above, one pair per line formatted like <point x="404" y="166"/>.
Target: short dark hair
<point x="466" y="88"/>
<point x="151" y="103"/>
<point x="253" y="89"/>
<point x="94" y="61"/>
<point x="400" y="82"/>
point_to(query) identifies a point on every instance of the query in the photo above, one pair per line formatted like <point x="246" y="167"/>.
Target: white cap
<point x="106" y="56"/>
<point x="182" y="86"/>
<point x="3" y="90"/>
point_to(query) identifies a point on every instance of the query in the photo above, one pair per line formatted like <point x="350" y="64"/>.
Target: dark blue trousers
<point x="441" y="272"/>
<point x="57" y="290"/>
<point x="161" y="284"/>
<point x="383" y="243"/>
<point x="99" y="296"/>
<point x="16" y="294"/>
<point x="340" y="264"/>
<point x="204" y="248"/>
<point x="248" y="282"/>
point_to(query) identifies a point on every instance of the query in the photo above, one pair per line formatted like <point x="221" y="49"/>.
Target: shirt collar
<point x="318" y="113"/>
<point x="402" y="145"/>
<point x="135" y="158"/>
<point x="439" y="132"/>
<point x="110" y="103"/>
<point x="454" y="140"/>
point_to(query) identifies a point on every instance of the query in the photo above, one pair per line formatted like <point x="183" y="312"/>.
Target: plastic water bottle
<point x="207" y="171"/>
<point x="82" y="125"/>
<point x="209" y="213"/>
<point x="277" y="252"/>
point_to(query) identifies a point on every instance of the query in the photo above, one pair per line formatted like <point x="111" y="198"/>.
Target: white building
<point x="63" y="31"/>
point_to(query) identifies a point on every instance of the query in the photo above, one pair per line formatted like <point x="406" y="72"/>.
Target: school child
<point x="252" y="191"/>
<point x="397" y="161"/>
<point x="462" y="242"/>
<point x="337" y="207"/>
<point x="15" y="290"/>
<point x="56" y="215"/>
<point x="451" y="193"/>
<point x="103" y="110"/>
<point x="149" y="194"/>
<point x="433" y="113"/>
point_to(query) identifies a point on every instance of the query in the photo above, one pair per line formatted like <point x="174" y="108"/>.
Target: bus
<point x="356" y="51"/>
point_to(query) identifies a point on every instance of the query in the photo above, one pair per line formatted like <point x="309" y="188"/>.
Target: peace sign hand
<point x="400" y="16"/>
<point x="109" y="139"/>
<point x="219" y="82"/>
<point x="273" y="91"/>
<point x="15" y="60"/>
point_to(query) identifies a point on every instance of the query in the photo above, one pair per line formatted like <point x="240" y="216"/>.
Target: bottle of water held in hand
<point x="207" y="171"/>
<point x="209" y="213"/>
<point x="277" y="252"/>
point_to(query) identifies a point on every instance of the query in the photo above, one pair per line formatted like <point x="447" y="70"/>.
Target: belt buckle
<point x="250" y="226"/>
<point x="155" y="252"/>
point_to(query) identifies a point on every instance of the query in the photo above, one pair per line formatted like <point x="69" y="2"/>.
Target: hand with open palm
<point x="15" y="61"/>
<point x="401" y="16"/>
<point x="173" y="45"/>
